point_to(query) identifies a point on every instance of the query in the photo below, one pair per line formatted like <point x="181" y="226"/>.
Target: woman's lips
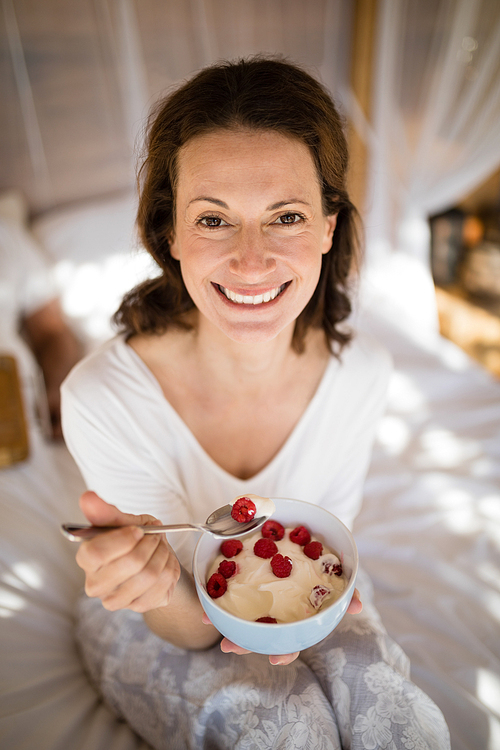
<point x="248" y="299"/>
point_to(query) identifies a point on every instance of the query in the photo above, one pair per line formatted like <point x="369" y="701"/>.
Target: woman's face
<point x="249" y="230"/>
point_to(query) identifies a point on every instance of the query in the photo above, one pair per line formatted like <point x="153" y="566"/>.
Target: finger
<point x="228" y="647"/>
<point x="108" y="567"/>
<point x="114" y="545"/>
<point x="150" y="587"/>
<point x="356" y="605"/>
<point x="160" y="593"/>
<point x="284" y="659"/>
<point x="205" y="620"/>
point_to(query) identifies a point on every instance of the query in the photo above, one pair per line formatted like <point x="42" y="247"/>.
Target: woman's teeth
<point x="247" y="299"/>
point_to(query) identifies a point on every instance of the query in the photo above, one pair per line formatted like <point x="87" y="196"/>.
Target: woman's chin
<point x="253" y="332"/>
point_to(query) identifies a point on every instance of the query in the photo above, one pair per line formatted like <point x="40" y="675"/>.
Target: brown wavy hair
<point x="259" y="93"/>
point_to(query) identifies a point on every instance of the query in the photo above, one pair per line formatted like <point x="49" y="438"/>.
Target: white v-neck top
<point x="136" y="452"/>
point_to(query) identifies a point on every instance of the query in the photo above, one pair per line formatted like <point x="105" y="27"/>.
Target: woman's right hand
<point x="125" y="568"/>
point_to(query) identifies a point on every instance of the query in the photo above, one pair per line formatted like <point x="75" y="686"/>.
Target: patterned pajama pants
<point x="351" y="691"/>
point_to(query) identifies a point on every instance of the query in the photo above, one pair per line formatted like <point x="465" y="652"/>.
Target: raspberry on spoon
<point x="243" y="510"/>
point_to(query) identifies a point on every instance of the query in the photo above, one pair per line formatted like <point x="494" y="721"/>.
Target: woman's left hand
<point x="228" y="647"/>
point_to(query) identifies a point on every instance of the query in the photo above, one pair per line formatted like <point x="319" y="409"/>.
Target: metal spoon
<point x="220" y="524"/>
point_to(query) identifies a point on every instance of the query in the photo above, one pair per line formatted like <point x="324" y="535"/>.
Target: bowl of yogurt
<point x="282" y="588"/>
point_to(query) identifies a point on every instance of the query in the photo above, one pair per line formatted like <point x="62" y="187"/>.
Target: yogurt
<point x="254" y="591"/>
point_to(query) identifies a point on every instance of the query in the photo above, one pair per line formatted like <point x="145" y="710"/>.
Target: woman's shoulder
<point x="366" y="348"/>
<point x="366" y="360"/>
<point x="112" y="365"/>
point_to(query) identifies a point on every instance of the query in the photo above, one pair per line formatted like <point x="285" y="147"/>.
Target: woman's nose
<point x="252" y="259"/>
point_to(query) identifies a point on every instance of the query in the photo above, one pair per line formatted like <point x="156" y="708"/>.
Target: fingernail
<point x="137" y="533"/>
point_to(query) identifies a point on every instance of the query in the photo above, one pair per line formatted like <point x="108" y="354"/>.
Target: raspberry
<point x="231" y="547"/>
<point x="300" y="535"/>
<point x="267" y="619"/>
<point x="227" y="568"/>
<point x="273" y="530"/>
<point x="243" y="510"/>
<point x="281" y="566"/>
<point x="216" y="585"/>
<point x="317" y="595"/>
<point x="331" y="565"/>
<point x="313" y="550"/>
<point x="264" y="548"/>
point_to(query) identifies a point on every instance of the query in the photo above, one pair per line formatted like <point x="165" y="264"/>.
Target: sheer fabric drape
<point x="77" y="78"/>
<point x="435" y="129"/>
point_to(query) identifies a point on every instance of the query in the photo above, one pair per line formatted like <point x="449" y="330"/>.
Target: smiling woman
<point x="250" y="253"/>
<point x="228" y="103"/>
<point x="234" y="373"/>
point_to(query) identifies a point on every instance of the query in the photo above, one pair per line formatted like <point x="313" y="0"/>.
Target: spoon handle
<point x="80" y="532"/>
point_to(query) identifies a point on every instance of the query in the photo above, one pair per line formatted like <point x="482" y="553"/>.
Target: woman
<point x="234" y="373"/>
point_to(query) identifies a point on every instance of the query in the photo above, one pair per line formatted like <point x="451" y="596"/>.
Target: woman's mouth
<point x="257" y="299"/>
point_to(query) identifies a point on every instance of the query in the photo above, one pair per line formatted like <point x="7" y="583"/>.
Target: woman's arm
<point x="56" y="350"/>
<point x="181" y="621"/>
<point x="123" y="568"/>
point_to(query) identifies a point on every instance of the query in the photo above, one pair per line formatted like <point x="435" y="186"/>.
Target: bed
<point x="428" y="534"/>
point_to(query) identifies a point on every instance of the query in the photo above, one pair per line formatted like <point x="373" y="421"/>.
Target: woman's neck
<point x="234" y="364"/>
<point x="205" y="360"/>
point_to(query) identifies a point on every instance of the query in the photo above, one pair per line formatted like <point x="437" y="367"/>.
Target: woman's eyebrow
<point x="209" y="200"/>
<point x="272" y="207"/>
<point x="282" y="204"/>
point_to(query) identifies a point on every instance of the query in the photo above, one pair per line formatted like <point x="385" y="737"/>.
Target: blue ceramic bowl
<point x="265" y="638"/>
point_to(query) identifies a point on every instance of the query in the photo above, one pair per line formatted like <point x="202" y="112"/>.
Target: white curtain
<point x="77" y="77"/>
<point x="435" y="128"/>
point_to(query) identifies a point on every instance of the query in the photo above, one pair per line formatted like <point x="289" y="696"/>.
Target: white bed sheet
<point x="46" y="701"/>
<point x="429" y="531"/>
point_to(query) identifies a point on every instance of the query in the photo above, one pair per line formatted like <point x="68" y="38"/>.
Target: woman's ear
<point x="174" y="250"/>
<point x="330" y="224"/>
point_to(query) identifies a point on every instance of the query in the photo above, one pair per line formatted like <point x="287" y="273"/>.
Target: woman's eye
<point x="211" y="222"/>
<point x="291" y="218"/>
